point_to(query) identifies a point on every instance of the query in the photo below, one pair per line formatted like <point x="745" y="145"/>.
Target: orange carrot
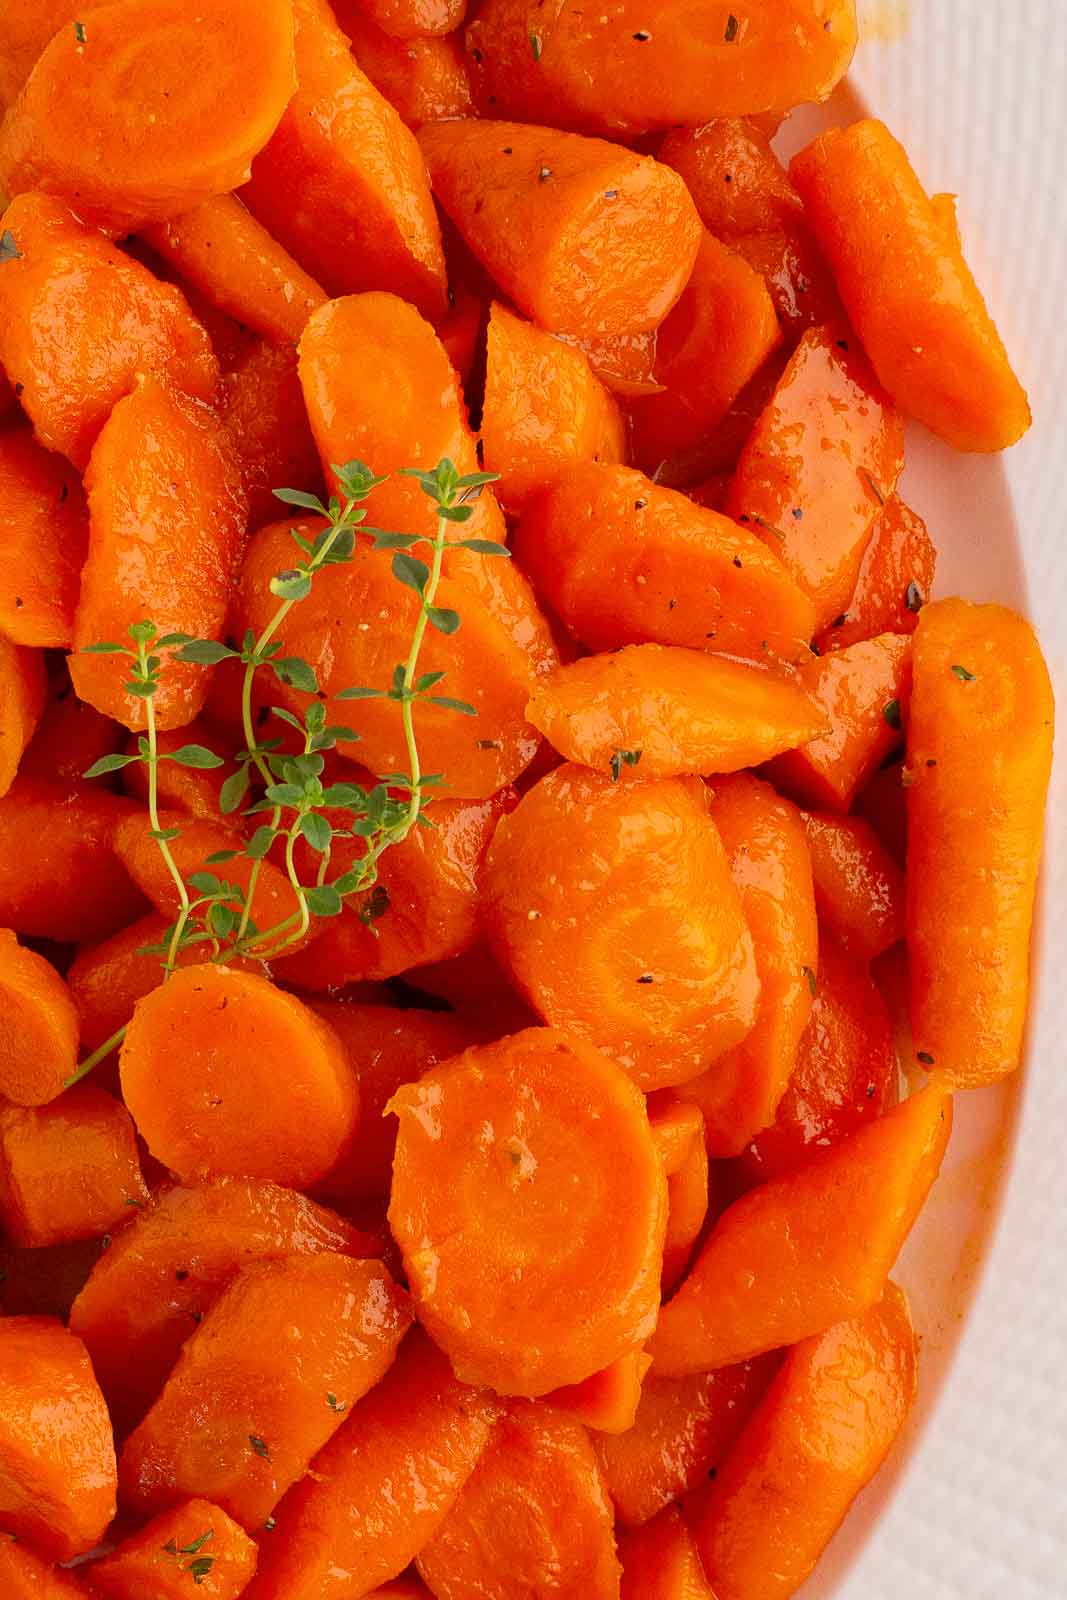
<point x="233" y="261"/>
<point x="23" y="687"/>
<point x="864" y="691"/>
<point x="461" y="1210"/>
<point x="770" y="862"/>
<point x="366" y="220"/>
<point x="383" y="1485"/>
<point x="533" y="1512"/>
<point x="151" y="110"/>
<point x="70" y="1169"/>
<point x="859" y="888"/>
<point x="25" y="30"/>
<point x="405" y="19"/>
<point x="882" y="804"/>
<point x="894" y="582"/>
<point x="606" y="1401"/>
<point x="38" y="1026"/>
<point x="821" y="461"/>
<point x="633" y="938"/>
<point x="543" y="409"/>
<point x="194" y="790"/>
<point x="907" y="288"/>
<point x="70" y="737"/>
<point x="150" y="1290"/>
<point x="24" y="1576"/>
<point x="687" y="1211"/>
<point x="529" y="201"/>
<point x="660" y="1561"/>
<point x="676" y="1126"/>
<point x="979" y="753"/>
<point x="623" y="561"/>
<point x="683" y="710"/>
<point x="226" y="1075"/>
<point x="44" y="535"/>
<point x="824" y="1428"/>
<point x="57" y="1456"/>
<point x="262" y="405"/>
<point x="622" y="361"/>
<point x="194" y="1547"/>
<point x="424" y="78"/>
<point x="778" y="1268"/>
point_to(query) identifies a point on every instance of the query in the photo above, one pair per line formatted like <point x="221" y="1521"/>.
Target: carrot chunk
<point x="463" y="1212"/>
<point x="225" y="1075"/>
<point x="531" y="201"/>
<point x="24" y="1576"/>
<point x="262" y="404"/>
<point x="687" y="1211"/>
<point x="366" y="219"/>
<point x="38" y="1026"/>
<point x="979" y="752"/>
<point x="150" y="110"/>
<point x="676" y="1126"/>
<point x="23" y="688"/>
<point x="533" y="1513"/>
<point x="410" y="20"/>
<point x="683" y="710"/>
<point x="632" y="938"/>
<point x="623" y="561"/>
<point x="383" y="1485"/>
<point x="824" y="1428"/>
<point x="660" y="1561"/>
<point x="25" y="30"/>
<point x="70" y="736"/>
<point x="859" y="888"/>
<point x="57" y="1456"/>
<point x="424" y="78"/>
<point x="894" y="582"/>
<point x="778" y="1267"/>
<point x="107" y="978"/>
<point x="44" y="535"/>
<point x="196" y="1546"/>
<point x="606" y="1401"/>
<point x="908" y="289"/>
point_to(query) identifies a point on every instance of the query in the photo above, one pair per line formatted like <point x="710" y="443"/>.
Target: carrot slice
<point x="623" y="561"/>
<point x="195" y="1544"/>
<point x="24" y="1576"/>
<point x="908" y="290"/>
<point x="150" y="1290"/>
<point x="366" y="220"/>
<point x="383" y="1485"/>
<point x="979" y="753"/>
<point x="534" y="1511"/>
<point x="70" y="737"/>
<point x="676" y="1127"/>
<point x="59" y="875"/>
<point x="44" y="535"/>
<point x="38" y="1026"/>
<point x="543" y="409"/>
<point x="683" y="710"/>
<point x="791" y="1478"/>
<point x="463" y="1212"/>
<point x="859" y="888"/>
<point x="864" y="691"/>
<point x="660" y="1561"/>
<point x="262" y="405"/>
<point x="262" y="1416"/>
<point x="682" y="1432"/>
<point x="633" y="938"/>
<point x="769" y="859"/>
<point x="530" y="201"/>
<point x="23" y="687"/>
<point x="150" y="110"/>
<point x="894" y="582"/>
<point x="820" y="463"/>
<point x="225" y="1075"/>
<point x="687" y="1212"/>
<point x="778" y="1267"/>
<point x="70" y="1170"/>
<point x="606" y="1401"/>
<point x="424" y="78"/>
<point x="845" y="1071"/>
<point x="57" y="1456"/>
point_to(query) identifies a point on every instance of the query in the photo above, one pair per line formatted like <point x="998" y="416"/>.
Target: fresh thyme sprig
<point x="287" y="790"/>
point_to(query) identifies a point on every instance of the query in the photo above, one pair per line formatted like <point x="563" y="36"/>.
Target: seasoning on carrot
<point x="895" y="580"/>
<point x="196" y="1546"/>
<point x="424" y="78"/>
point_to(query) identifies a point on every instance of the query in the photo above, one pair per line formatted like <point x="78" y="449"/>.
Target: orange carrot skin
<point x="24" y="1576"/>
<point x="908" y="289"/>
<point x="533" y="1511"/>
<point x="59" y="876"/>
<point x="775" y="1269"/>
<point x="845" y="1071"/>
<point x="383" y="1485"/>
<point x="646" y="869"/>
<point x="424" y="78"/>
<point x="859" y="887"/>
<point x="544" y="409"/>
<point x="771" y="865"/>
<point x="23" y="687"/>
<point x="865" y="691"/>
<point x="660" y="1561"/>
<point x="71" y="1168"/>
<point x="623" y="561"/>
<point x="607" y="1401"/>
<point x="38" y="1026"/>
<point x="69" y="738"/>
<point x="57" y="1455"/>
<point x="79" y="320"/>
<point x="979" y="754"/>
<point x="236" y="1375"/>
<point x="231" y="258"/>
<point x="597" y="199"/>
<point x="684" y="710"/>
<point x="715" y="340"/>
<point x="369" y="221"/>
<point x="563" y="1324"/>
<point x="684" y="1428"/>
<point x="44" y="535"/>
<point x="826" y="1425"/>
<point x="894" y="582"/>
<point x="262" y="405"/>
<point x="830" y="446"/>
<point x="154" y="112"/>
<point x="143" y="1563"/>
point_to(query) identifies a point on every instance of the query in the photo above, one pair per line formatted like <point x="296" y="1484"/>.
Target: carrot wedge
<point x="606" y="1401"/>
<point x="660" y="1561"/>
<point x="186" y="1548"/>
